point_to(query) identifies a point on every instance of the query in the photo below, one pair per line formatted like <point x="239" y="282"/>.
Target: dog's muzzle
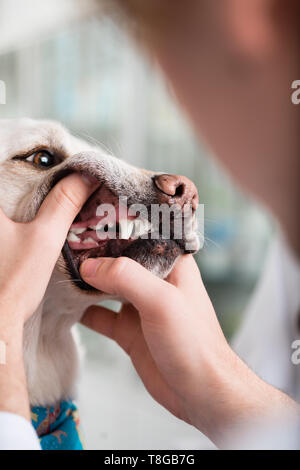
<point x="97" y="232"/>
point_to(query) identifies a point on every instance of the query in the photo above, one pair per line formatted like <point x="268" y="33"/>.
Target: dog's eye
<point x="43" y="158"/>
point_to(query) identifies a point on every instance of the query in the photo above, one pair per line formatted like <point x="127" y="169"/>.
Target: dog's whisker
<point x="68" y="280"/>
<point x="95" y="141"/>
<point x="209" y="241"/>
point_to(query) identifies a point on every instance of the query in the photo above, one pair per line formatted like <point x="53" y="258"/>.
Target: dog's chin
<point x="157" y="256"/>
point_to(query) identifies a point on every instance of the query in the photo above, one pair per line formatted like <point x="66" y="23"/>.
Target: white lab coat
<point x="16" y="433"/>
<point x="271" y="322"/>
<point x="264" y="342"/>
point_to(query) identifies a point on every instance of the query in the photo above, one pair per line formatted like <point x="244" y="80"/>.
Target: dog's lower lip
<point x="74" y="268"/>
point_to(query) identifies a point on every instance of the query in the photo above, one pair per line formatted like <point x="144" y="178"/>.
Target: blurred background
<point x="61" y="61"/>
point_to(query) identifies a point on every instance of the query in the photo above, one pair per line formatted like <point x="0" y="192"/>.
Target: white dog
<point x="34" y="156"/>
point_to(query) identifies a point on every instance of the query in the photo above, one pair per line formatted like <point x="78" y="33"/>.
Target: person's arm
<point x="28" y="255"/>
<point x="176" y="344"/>
<point x="16" y="433"/>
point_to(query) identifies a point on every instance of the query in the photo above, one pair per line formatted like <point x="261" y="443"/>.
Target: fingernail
<point x="89" y="179"/>
<point x="89" y="267"/>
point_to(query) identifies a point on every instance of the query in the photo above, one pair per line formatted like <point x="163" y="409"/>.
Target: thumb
<point x="63" y="203"/>
<point x="128" y="279"/>
<point x="4" y="220"/>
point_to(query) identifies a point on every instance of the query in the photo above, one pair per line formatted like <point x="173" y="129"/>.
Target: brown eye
<point x="42" y="158"/>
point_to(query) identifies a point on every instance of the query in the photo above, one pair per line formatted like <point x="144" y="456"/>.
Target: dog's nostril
<point x="176" y="188"/>
<point x="179" y="190"/>
<point x="167" y="184"/>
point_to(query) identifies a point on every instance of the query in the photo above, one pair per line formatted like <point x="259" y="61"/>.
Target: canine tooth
<point x="147" y="226"/>
<point x="126" y="229"/>
<point x="95" y="227"/>
<point x="73" y="238"/>
<point x="138" y="228"/>
<point x="141" y="227"/>
<point x="88" y="240"/>
<point x="77" y="231"/>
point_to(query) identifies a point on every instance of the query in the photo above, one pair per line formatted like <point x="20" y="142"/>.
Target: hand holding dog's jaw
<point x="26" y="266"/>
<point x="172" y="335"/>
<point x="30" y="254"/>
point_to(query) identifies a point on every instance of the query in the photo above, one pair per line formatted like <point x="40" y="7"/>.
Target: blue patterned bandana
<point x="57" y="426"/>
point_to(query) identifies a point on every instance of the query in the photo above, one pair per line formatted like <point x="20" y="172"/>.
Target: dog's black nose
<point x="176" y="189"/>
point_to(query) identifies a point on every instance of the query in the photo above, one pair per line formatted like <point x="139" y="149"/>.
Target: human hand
<point x="28" y="255"/>
<point x="30" y="250"/>
<point x="172" y="335"/>
<point x="165" y="329"/>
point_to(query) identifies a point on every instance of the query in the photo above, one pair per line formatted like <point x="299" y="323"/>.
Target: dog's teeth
<point x="73" y="238"/>
<point x="100" y="228"/>
<point x="138" y="228"/>
<point x="126" y="228"/>
<point x="88" y="240"/>
<point x="95" y="227"/>
<point x="147" y="226"/>
<point x="77" y="231"/>
<point x="141" y="227"/>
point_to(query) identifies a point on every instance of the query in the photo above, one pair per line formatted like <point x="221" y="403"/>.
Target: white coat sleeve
<point x="16" y="433"/>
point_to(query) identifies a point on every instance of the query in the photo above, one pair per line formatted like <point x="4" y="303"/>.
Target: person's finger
<point x="122" y="327"/>
<point x="185" y="274"/>
<point x="63" y="203"/>
<point x="128" y="279"/>
<point x="4" y="220"/>
<point x="125" y="329"/>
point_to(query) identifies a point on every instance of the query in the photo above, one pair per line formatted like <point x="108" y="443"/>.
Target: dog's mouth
<point x="113" y="232"/>
<point x="108" y="234"/>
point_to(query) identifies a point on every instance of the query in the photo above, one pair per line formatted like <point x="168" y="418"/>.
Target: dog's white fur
<point x="49" y="348"/>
